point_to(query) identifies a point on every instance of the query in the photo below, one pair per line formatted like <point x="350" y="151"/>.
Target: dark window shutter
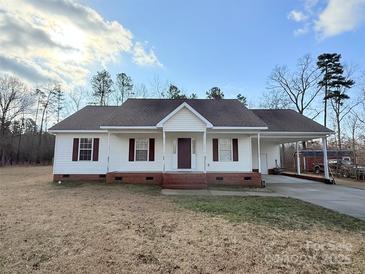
<point x="75" y="149"/>
<point x="131" y="150"/>
<point x="235" y="149"/>
<point x="96" y="149"/>
<point x="215" y="150"/>
<point x="151" y="153"/>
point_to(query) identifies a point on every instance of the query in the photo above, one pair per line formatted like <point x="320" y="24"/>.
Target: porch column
<point x="163" y="150"/>
<point x="108" y="158"/>
<point x="205" y="150"/>
<point x="298" y="159"/>
<point x="325" y="158"/>
<point x="259" y="151"/>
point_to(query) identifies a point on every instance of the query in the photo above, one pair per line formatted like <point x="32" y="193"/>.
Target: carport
<point x="285" y="127"/>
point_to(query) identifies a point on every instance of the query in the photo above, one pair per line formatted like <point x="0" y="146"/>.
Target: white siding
<point x="244" y="163"/>
<point x="119" y="153"/>
<point x="272" y="151"/>
<point x="184" y="120"/>
<point x="63" y="163"/>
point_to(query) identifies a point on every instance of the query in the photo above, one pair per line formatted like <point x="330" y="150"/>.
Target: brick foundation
<point x="78" y="177"/>
<point x="176" y="180"/>
<point x="134" y="178"/>
<point x="249" y="179"/>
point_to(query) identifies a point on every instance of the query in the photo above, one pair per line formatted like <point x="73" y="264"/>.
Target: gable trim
<point x="186" y="105"/>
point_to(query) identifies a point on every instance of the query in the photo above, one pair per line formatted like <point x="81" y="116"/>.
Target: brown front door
<point x="184" y="153"/>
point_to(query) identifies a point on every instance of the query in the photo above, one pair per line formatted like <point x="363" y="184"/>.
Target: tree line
<point x="105" y="91"/>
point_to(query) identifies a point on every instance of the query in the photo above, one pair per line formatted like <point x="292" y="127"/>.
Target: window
<point x="86" y="145"/>
<point x="193" y="146"/>
<point x="225" y="150"/>
<point x="141" y="149"/>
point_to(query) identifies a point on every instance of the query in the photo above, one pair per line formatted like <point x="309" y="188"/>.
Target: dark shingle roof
<point x="227" y="112"/>
<point x="148" y="112"/>
<point x="288" y="120"/>
<point x="88" y="118"/>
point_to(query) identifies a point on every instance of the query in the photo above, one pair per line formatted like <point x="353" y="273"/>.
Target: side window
<point x="141" y="149"/>
<point x="86" y="145"/>
<point x="225" y="150"/>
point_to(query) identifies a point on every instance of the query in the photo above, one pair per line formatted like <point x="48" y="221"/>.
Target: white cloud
<point x="329" y="18"/>
<point x="49" y="40"/>
<point x="141" y="57"/>
<point x="340" y="16"/>
<point x="297" y="16"/>
<point x="302" y="31"/>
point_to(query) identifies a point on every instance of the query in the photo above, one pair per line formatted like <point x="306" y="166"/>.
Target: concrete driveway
<point x="347" y="200"/>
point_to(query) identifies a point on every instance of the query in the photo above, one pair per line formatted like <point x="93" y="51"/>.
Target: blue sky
<point x="230" y="44"/>
<point x="194" y="44"/>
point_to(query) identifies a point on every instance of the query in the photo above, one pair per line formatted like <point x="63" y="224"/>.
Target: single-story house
<point x="187" y="143"/>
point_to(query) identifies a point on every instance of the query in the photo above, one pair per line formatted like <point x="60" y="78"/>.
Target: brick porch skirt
<point x="175" y="180"/>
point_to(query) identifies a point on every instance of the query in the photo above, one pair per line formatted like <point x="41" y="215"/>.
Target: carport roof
<point x="287" y="120"/>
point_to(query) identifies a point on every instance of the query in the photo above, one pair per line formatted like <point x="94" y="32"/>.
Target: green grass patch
<point x="284" y="213"/>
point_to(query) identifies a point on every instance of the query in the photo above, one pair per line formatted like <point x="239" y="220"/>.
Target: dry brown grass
<point x="98" y="228"/>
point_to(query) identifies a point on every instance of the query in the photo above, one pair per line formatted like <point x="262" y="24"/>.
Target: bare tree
<point x="48" y="101"/>
<point x="14" y="101"/>
<point x="76" y="99"/>
<point x="275" y="100"/>
<point x="140" y="91"/>
<point x="157" y="88"/>
<point x="124" y="86"/>
<point x="341" y="105"/>
<point x="354" y="126"/>
<point x="300" y="87"/>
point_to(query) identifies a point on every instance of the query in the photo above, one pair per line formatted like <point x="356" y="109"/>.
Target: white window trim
<point x="231" y="146"/>
<point x="92" y="149"/>
<point x="148" y="149"/>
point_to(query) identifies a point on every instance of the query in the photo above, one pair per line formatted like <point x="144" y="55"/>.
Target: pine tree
<point x="242" y="99"/>
<point x="175" y="93"/>
<point x="333" y="79"/>
<point x="335" y="85"/>
<point x="102" y="87"/>
<point x="215" y="93"/>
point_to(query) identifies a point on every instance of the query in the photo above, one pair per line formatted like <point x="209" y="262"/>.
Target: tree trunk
<point x="325" y="101"/>
<point x="39" y="152"/>
<point x="338" y="131"/>
<point x="18" y="148"/>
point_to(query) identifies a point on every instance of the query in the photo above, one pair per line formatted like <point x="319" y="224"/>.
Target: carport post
<point x="298" y="159"/>
<point x="325" y="158"/>
<point x="259" y="151"/>
<point x="163" y="150"/>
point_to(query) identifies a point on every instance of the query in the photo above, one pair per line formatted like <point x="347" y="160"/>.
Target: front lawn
<point x="93" y="227"/>
<point x="284" y="213"/>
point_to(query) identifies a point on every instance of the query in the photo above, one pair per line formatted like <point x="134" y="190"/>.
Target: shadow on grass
<point x="284" y="213"/>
